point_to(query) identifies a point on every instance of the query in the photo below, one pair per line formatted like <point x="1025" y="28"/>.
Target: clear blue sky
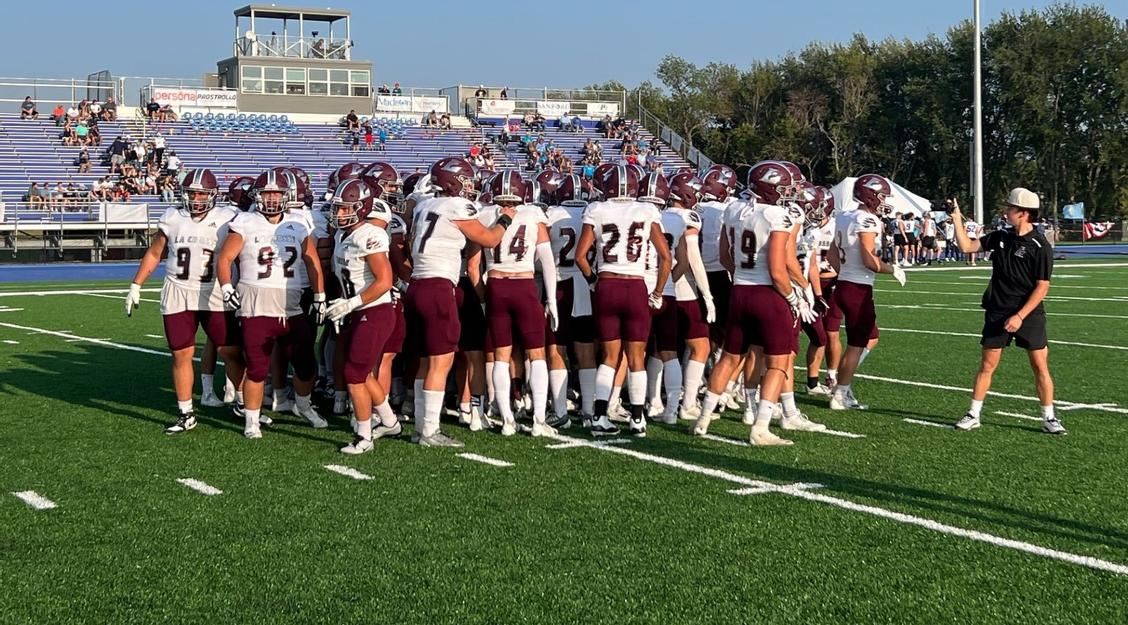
<point x="522" y="44"/>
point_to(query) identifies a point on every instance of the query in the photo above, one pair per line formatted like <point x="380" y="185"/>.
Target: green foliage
<point x="1055" y="108"/>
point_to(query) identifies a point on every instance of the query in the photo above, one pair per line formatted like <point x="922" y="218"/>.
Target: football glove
<point x="231" y="297"/>
<point x="820" y="306"/>
<point x="656" y="301"/>
<point x="338" y="309"/>
<point x="805" y="313"/>
<point x="899" y="275"/>
<point x="133" y="299"/>
<point x="318" y="307"/>
<point x="552" y="314"/>
<point x="710" y="310"/>
<point x="396" y="295"/>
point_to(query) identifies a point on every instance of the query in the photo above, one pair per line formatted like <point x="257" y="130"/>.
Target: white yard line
<point x="494" y="462"/>
<point x="976" y="335"/>
<point x="11" y="342"/>
<point x="348" y="472"/>
<point x="6" y="309"/>
<point x="200" y="487"/>
<point x="1049" y="298"/>
<point x="154" y="336"/>
<point x="569" y="445"/>
<point x="35" y="500"/>
<point x="841" y="434"/>
<point x="70" y="292"/>
<point x="980" y="310"/>
<point x="946" y="426"/>
<point x="72" y="337"/>
<point x="801" y="490"/>
<point x="1017" y="415"/>
<point x="987" y="267"/>
<point x="118" y="297"/>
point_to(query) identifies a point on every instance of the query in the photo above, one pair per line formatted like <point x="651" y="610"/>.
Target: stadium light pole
<point x="978" y="97"/>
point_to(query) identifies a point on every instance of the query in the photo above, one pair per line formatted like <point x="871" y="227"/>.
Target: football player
<point x="818" y="234"/>
<point x="267" y="243"/>
<point x="441" y="227"/>
<point x="190" y="297"/>
<point x="513" y="303"/>
<point x="854" y="254"/>
<point x="364" y="312"/>
<point x="617" y="228"/>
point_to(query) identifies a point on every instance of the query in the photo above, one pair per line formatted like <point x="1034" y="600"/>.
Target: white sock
<point x="384" y="411"/>
<point x="710" y="404"/>
<point x="434" y="405"/>
<point x="502" y="387"/>
<point x="614" y="398"/>
<point x="558" y="386"/>
<point x="490" y="391"/>
<point x="842" y="390"/>
<point x="302" y="402"/>
<point x="694" y="374"/>
<point x="636" y="387"/>
<point x="832" y="375"/>
<point x="279" y="395"/>
<point x="764" y="413"/>
<point x="538" y="388"/>
<point x="184" y="406"/>
<point x="672" y="375"/>
<point x="420" y="405"/>
<point x="251" y="419"/>
<point x="751" y="396"/>
<point x="977" y="405"/>
<point x="865" y="353"/>
<point x="1048" y="412"/>
<point x="587" y="390"/>
<point x="207" y="381"/>
<point x="228" y="385"/>
<point x="239" y="397"/>
<point x="653" y="378"/>
<point x="364" y="428"/>
<point x="604" y="381"/>
<point x="339" y="396"/>
<point x="788" y="401"/>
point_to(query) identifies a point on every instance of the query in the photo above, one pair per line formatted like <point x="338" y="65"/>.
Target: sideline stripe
<point x="75" y="292"/>
<point x="199" y="486"/>
<point x="118" y="297"/>
<point x="612" y="441"/>
<point x="1049" y="298"/>
<point x="1066" y="265"/>
<point x="486" y="460"/>
<point x="35" y="500"/>
<point x="980" y="310"/>
<point x="757" y="490"/>
<point x="972" y="334"/>
<point x="347" y="472"/>
<point x="6" y="309"/>
<point x="11" y="342"/>
<point x="1017" y="415"/>
<point x="946" y="426"/>
<point x="800" y="490"/>
<point x="72" y="337"/>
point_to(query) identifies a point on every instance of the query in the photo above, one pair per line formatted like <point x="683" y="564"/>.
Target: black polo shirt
<point x="1018" y="263"/>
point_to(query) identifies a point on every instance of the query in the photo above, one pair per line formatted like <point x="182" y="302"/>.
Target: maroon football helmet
<point x="385" y="180"/>
<point x="355" y="198"/>
<point x="574" y="190"/>
<point x="872" y="192"/>
<point x="296" y="195"/>
<point x="828" y="198"/>
<point x="617" y="182"/>
<point x="541" y="190"/>
<point x="718" y="184"/>
<point x="239" y="192"/>
<point x="306" y="194"/>
<point x="198" y="181"/>
<point x="454" y="177"/>
<point x="772" y="182"/>
<point x="507" y="186"/>
<point x="812" y="200"/>
<point x="271" y="191"/>
<point x="348" y="171"/>
<point x="411" y="182"/>
<point x="655" y="189"/>
<point x="686" y="189"/>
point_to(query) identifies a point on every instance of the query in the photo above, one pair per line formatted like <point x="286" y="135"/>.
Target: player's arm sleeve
<point x="547" y="262"/>
<point x="696" y="266"/>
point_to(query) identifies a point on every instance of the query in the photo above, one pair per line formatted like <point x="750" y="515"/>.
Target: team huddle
<point x="516" y="297"/>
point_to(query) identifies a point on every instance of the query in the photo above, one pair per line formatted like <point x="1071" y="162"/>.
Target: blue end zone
<point x="72" y="271"/>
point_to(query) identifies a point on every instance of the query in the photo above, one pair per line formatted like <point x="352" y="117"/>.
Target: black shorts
<point x="912" y="239"/>
<point x="1031" y="336"/>
<point x="899" y="240"/>
<point x="928" y="242"/>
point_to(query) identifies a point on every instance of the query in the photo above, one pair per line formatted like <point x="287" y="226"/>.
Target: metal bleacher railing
<point x="695" y="157"/>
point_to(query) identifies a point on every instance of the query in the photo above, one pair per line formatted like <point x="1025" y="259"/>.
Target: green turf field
<point x="912" y="523"/>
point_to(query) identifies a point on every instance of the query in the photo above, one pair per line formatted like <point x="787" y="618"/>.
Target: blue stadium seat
<point x="284" y="118"/>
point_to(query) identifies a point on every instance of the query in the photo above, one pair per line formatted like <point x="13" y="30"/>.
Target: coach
<point x="1021" y="263"/>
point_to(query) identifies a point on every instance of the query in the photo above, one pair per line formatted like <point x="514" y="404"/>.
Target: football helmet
<point x="385" y="180"/>
<point x="718" y="184"/>
<point x="617" y="182"/>
<point x="812" y="200"/>
<point x="655" y="189"/>
<point x="198" y="181"/>
<point x="239" y="192"/>
<point x="411" y="183"/>
<point x="772" y="182"/>
<point x="508" y="186"/>
<point x="348" y="171"/>
<point x="306" y="195"/>
<point x="872" y="192"/>
<point x="573" y="190"/>
<point x="454" y="177"/>
<point x="295" y="196"/>
<point x="687" y="189"/>
<point x="271" y="192"/>
<point x="541" y="190"/>
<point x="356" y="198"/>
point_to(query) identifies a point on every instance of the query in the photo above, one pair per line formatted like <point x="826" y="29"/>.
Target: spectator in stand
<point x="354" y="139"/>
<point x="166" y="185"/>
<point x="383" y="139"/>
<point x="60" y="195"/>
<point x="83" y="161"/>
<point x="605" y="126"/>
<point x="589" y="170"/>
<point x="504" y="95"/>
<point x="481" y="92"/>
<point x="352" y="122"/>
<point x="109" y="109"/>
<point x="503" y="136"/>
<point x="34" y="196"/>
<point x="384" y="90"/>
<point x="527" y="120"/>
<point x="72" y="114"/>
<point x="95" y="110"/>
<point x="444" y="121"/>
<point x="153" y="109"/>
<point x="538" y="122"/>
<point x="81" y="133"/>
<point x="140" y="151"/>
<point x="369" y="138"/>
<point x="158" y="148"/>
<point x="59" y="115"/>
<point x="172" y="166"/>
<point x="28" y="110"/>
<point x="432" y="119"/>
<point x="396" y="89"/>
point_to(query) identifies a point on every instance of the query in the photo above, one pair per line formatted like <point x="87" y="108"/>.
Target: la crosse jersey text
<point x="190" y="282"/>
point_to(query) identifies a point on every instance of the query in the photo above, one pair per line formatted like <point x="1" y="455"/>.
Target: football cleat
<point x="341" y="406"/>
<point x="967" y="423"/>
<point x="558" y="421"/>
<point x="845" y="401"/>
<point x="749" y="415"/>
<point x="801" y="423"/>
<point x="252" y="432"/>
<point x="585" y="421"/>
<point x="701" y="426"/>
<point x="656" y="409"/>
<point x="819" y="389"/>
<point x="465" y="417"/>
<point x="479" y="421"/>
<point x="186" y="421"/>
<point x="728" y="403"/>
<point x="602" y="426"/>
<point x="211" y="400"/>
<point x="509" y="427"/>
<point x="618" y="413"/>
<point x="228" y="391"/>
<point x="265" y="420"/>
<point x="359" y="445"/>
<point x="638" y="427"/>
<point x="670" y="417"/>
<point x="777" y="412"/>
<point x="383" y="431"/>
<point x="1053" y="426"/>
<point x="311" y="415"/>
<point x="239" y="411"/>
<point x="690" y="414"/>
<point x="286" y="405"/>
<point x="438" y="439"/>
<point x="542" y="429"/>
<point x="765" y="438"/>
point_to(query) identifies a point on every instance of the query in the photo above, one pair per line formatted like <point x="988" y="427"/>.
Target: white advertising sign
<point x="393" y="103"/>
<point x="202" y="98"/>
<point x="426" y="104"/>
<point x="553" y="110"/>
<point x="599" y="109"/>
<point x="497" y="107"/>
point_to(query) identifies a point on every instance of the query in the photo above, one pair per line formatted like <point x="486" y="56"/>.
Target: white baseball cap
<point x="1024" y="199"/>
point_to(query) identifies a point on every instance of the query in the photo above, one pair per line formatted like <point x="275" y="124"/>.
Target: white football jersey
<point x="564" y="226"/>
<point x="190" y="266"/>
<point x="712" y="221"/>
<point x="675" y="221"/>
<point x="320" y="220"/>
<point x="436" y="242"/>
<point x="397" y="226"/>
<point x="823" y="237"/>
<point x="621" y="232"/>
<point x="517" y="250"/>
<point x="350" y="262"/>
<point x="846" y="230"/>
<point x="308" y="216"/>
<point x="751" y="242"/>
<point x="272" y="253"/>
